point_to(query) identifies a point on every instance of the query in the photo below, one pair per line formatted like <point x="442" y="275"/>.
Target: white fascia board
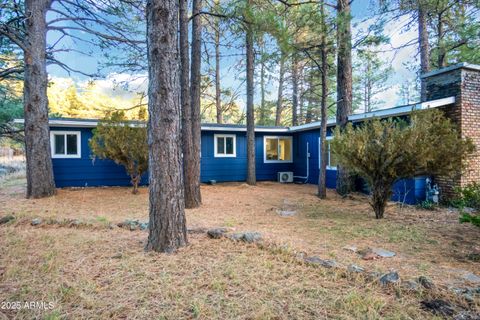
<point x="215" y="128"/>
<point x="382" y="113"/>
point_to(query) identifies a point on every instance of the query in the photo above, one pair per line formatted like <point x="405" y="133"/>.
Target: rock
<point x="427" y="283"/>
<point x="438" y="307"/>
<point x="410" y="285"/>
<point x="318" y="261"/>
<point x="356" y="269"/>
<point x="383" y="253"/>
<point x="6" y="219"/>
<point x="117" y="256"/>
<point x="471" y="277"/>
<point x="235" y="236"/>
<point x="75" y="223"/>
<point x="389" y="278"/>
<point x="469" y="210"/>
<point x="143" y="226"/>
<point x="216" y="233"/>
<point x="286" y="213"/>
<point x="133" y="225"/>
<point x="466" y="315"/>
<point x="350" y="248"/>
<point x="370" y="256"/>
<point x="251" y="237"/>
<point x="197" y="230"/>
<point x="36" y="221"/>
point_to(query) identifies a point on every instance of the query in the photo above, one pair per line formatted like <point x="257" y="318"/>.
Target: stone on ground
<point x="216" y="233"/>
<point x="356" y="269"/>
<point x="321" y="262"/>
<point x="389" y="278"/>
<point x="426" y="282"/>
<point x="470" y="277"/>
<point x="350" y="248"/>
<point x="251" y="237"/>
<point x="383" y="253"/>
<point x="36" y="221"/>
<point x="6" y="219"/>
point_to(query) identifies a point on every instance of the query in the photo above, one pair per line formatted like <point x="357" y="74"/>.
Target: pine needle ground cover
<point x="98" y="270"/>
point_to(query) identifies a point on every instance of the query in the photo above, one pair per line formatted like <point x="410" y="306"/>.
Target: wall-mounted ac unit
<point x="284" y="177"/>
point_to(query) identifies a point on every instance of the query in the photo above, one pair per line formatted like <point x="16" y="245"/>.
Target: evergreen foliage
<point x="124" y="142"/>
<point x="383" y="151"/>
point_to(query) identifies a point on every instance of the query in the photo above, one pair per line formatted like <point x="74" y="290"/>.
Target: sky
<point x="231" y="77"/>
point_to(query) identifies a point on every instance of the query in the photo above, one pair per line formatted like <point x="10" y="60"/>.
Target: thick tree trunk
<point x="424" y="49"/>
<point x="322" y="178"/>
<point x="167" y="226"/>
<point x="278" y="113"/>
<point x="187" y="133"/>
<point x="40" y="181"/>
<point x="295" y="90"/>
<point x="193" y="198"/>
<point x="251" y="174"/>
<point x="218" y="91"/>
<point x="344" y="83"/>
<point x="440" y="47"/>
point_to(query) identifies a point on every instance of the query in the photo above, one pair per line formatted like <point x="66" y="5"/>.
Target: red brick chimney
<point x="461" y="81"/>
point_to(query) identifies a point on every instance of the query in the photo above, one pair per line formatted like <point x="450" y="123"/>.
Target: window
<point x="331" y="157"/>
<point x="277" y="149"/>
<point x="65" y="144"/>
<point x="225" y="145"/>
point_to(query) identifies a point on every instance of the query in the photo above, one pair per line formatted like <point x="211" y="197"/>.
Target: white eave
<point x="398" y="111"/>
<point x="385" y="113"/>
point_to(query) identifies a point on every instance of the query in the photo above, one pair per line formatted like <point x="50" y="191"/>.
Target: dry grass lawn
<point x="97" y="272"/>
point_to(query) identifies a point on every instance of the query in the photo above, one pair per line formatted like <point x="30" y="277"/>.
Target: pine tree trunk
<point x="322" y="178"/>
<point x="278" y="113"/>
<point x="424" y="49"/>
<point x="187" y="133"/>
<point x="295" y="90"/>
<point x="40" y="181"/>
<point x="440" y="47"/>
<point x="218" y="91"/>
<point x="193" y="198"/>
<point x="344" y="83"/>
<point x="263" y="116"/>
<point x="251" y="174"/>
<point x="311" y="88"/>
<point x="167" y="226"/>
<point x="379" y="198"/>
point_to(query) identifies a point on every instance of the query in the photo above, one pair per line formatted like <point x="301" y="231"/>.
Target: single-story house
<point x="287" y="153"/>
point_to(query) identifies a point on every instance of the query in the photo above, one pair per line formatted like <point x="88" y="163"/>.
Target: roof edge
<point x="462" y="65"/>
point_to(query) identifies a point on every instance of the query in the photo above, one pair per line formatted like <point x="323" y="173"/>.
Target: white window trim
<point x="328" y="138"/>
<point x="224" y="155"/>
<point x="265" y="149"/>
<point x="66" y="156"/>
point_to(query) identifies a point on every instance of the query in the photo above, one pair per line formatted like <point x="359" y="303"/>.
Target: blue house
<point x="290" y="153"/>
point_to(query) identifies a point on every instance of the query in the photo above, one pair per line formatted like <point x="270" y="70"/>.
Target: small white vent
<point x="284" y="177"/>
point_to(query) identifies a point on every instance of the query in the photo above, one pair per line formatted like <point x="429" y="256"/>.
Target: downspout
<point x="308" y="168"/>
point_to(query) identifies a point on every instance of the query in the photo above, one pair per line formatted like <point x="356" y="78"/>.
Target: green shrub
<point x="426" y="205"/>
<point x="468" y="196"/>
<point x="473" y="219"/>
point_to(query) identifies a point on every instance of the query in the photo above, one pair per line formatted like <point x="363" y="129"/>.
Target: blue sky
<point x="230" y="77"/>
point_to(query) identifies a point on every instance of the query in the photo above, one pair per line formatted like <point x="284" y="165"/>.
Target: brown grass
<point x="75" y="268"/>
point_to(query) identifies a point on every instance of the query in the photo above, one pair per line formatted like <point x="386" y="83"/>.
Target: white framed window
<point x="331" y="158"/>
<point x="65" y="144"/>
<point x="277" y="149"/>
<point x="225" y="145"/>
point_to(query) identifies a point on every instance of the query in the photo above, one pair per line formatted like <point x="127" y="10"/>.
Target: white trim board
<point x="65" y="133"/>
<point x="224" y="155"/>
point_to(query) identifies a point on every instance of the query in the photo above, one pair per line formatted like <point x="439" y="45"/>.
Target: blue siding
<point x="84" y="171"/>
<point x="235" y="169"/>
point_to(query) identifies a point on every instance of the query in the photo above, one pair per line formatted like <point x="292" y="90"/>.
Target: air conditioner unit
<point x="284" y="177"/>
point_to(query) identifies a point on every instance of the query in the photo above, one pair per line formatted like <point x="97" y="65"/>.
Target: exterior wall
<point x="464" y="84"/>
<point x="86" y="172"/>
<point x="235" y="169"/>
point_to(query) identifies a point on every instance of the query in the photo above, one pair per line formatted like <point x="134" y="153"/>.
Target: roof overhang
<point x="384" y="113"/>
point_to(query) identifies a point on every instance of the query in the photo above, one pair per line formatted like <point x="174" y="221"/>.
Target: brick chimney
<point x="463" y="82"/>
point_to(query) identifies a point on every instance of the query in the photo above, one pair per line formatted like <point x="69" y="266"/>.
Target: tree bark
<point x="424" y="49"/>
<point x="218" y="91"/>
<point x="322" y="178"/>
<point x="193" y="198"/>
<point x="251" y="174"/>
<point x="440" y="48"/>
<point x="278" y="113"/>
<point x="167" y="226"/>
<point x="295" y="90"/>
<point x="39" y="171"/>
<point x="187" y="133"/>
<point x="263" y="115"/>
<point x="344" y="83"/>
